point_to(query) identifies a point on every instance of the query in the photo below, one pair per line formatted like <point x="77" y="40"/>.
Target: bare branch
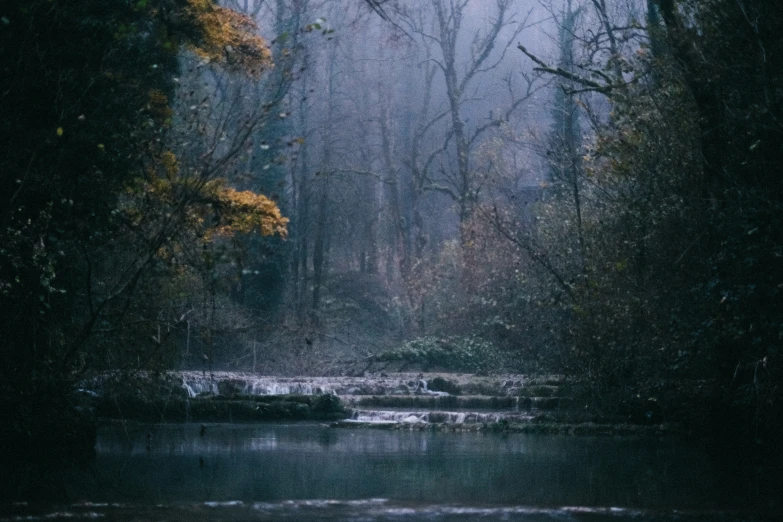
<point x="559" y="71"/>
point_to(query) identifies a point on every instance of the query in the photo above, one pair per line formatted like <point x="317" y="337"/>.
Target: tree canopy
<point x="94" y="192"/>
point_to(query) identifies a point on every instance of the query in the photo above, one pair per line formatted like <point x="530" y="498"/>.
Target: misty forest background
<point x="582" y="187"/>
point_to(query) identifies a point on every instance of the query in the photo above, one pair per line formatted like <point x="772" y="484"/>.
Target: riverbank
<point x="387" y="411"/>
<point x="243" y="408"/>
<point x="443" y="402"/>
<point x="456" y="403"/>
<point x="533" y="427"/>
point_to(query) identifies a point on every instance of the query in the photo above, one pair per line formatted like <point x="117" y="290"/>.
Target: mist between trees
<point x="586" y="187"/>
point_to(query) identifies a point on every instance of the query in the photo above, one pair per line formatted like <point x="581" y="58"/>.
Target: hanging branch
<point x="589" y="85"/>
<point x="377" y="6"/>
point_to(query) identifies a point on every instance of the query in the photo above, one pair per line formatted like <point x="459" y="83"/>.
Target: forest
<point x="587" y="188"/>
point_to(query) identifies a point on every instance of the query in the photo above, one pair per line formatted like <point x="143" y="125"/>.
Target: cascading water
<point x="386" y="399"/>
<point x="195" y="387"/>
<point x="264" y="387"/>
<point x="225" y="383"/>
<point x="435" y="417"/>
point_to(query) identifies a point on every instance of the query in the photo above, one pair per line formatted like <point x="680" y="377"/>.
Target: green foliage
<point x="681" y="215"/>
<point x="463" y="354"/>
<point x="95" y="207"/>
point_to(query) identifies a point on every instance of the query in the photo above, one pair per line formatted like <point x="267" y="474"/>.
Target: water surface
<point x="313" y="472"/>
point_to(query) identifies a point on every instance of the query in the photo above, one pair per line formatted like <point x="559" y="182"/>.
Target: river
<point x="310" y="471"/>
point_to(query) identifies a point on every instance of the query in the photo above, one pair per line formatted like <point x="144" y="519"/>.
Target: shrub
<point x="467" y="354"/>
<point x="443" y="385"/>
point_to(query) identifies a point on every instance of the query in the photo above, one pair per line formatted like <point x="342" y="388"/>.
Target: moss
<point x="443" y="385"/>
<point x="483" y="388"/>
<point x="469" y="353"/>
<point x="223" y="409"/>
<point x="230" y="387"/>
<point x="546" y="403"/>
<point x="540" y="391"/>
<point x="327" y="405"/>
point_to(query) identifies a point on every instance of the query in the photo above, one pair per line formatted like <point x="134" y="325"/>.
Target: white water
<point x="196" y="383"/>
<point x="441" y="417"/>
<point x="195" y="387"/>
<point x="353" y="388"/>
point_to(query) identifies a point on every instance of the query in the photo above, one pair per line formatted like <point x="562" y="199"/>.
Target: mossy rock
<point x="223" y="409"/>
<point x="465" y="354"/>
<point x="440" y="384"/>
<point x="327" y="404"/>
<point x="230" y="387"/>
<point x="540" y="390"/>
<point x="483" y="388"/>
<point x="488" y="403"/>
<point x="546" y="403"/>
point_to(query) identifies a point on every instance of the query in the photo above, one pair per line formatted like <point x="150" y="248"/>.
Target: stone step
<point x="230" y="383"/>
<point x="221" y="409"/>
<point x="457" y="402"/>
<point x="422" y="391"/>
<point x="362" y="416"/>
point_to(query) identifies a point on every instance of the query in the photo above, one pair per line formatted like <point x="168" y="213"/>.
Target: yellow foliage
<point x="158" y="105"/>
<point x="214" y="209"/>
<point x="227" y="37"/>
<point x="161" y="188"/>
<point x="169" y="162"/>
<point x="246" y="211"/>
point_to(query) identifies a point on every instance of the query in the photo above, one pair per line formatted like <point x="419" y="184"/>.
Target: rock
<point x="230" y="387"/>
<point x="328" y="404"/>
<point x="443" y="385"/>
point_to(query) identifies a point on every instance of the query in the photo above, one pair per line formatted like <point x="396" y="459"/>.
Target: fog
<point x="585" y="191"/>
<point x="379" y="158"/>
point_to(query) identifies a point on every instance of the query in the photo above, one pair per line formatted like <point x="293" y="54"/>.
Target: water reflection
<point x="272" y="464"/>
<point x="283" y="462"/>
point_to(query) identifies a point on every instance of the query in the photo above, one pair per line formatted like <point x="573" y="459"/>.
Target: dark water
<point x="312" y="472"/>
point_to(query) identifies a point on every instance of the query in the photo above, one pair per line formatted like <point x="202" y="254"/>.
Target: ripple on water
<point x="366" y="510"/>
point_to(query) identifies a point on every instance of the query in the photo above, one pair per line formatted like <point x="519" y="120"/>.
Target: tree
<point x="683" y="204"/>
<point x="487" y="50"/>
<point x="96" y="195"/>
<point x="565" y="137"/>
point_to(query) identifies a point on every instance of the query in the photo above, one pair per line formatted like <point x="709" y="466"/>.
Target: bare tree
<point x="441" y="31"/>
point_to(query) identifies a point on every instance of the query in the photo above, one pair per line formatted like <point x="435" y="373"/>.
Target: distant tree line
<point x="606" y="205"/>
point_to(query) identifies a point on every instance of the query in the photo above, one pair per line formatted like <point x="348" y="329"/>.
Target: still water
<point x="313" y="472"/>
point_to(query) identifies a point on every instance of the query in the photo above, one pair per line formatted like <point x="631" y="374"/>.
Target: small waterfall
<point x="274" y="387"/>
<point x="230" y="383"/>
<point x="197" y="386"/>
<point x="390" y="416"/>
<point x="395" y="399"/>
<point x="434" y="417"/>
